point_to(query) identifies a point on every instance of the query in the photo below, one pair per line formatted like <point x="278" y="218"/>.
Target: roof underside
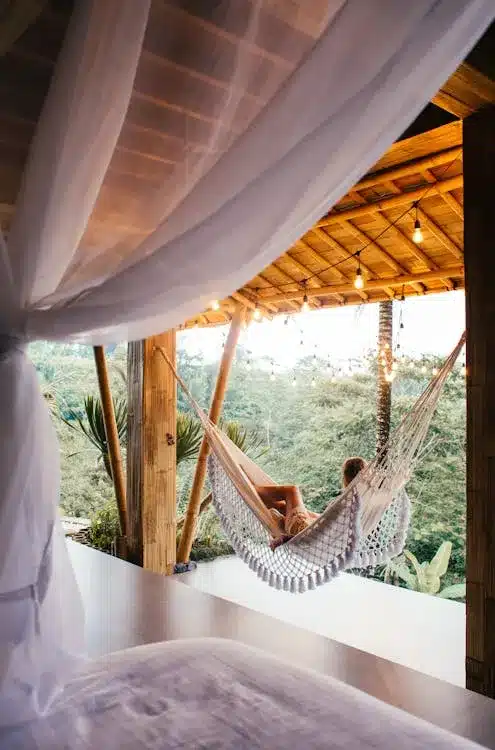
<point x="377" y="216"/>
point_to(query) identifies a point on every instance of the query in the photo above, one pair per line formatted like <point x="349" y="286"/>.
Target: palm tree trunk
<point x="384" y="389"/>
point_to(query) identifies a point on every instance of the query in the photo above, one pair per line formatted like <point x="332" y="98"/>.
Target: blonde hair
<point x="351" y="468"/>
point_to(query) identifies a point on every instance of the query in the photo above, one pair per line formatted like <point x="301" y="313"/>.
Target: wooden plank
<point x="466" y="91"/>
<point x="151" y="454"/>
<point x="479" y="238"/>
<point x="192" y="512"/>
<point x="159" y="455"/>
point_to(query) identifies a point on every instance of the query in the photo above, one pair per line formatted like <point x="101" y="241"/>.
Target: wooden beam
<point x="151" y="456"/>
<point x="113" y="442"/>
<point x="441" y="187"/>
<point x="192" y="512"/>
<point x="412" y="167"/>
<point x="479" y="239"/>
<point x="465" y="92"/>
<point x="392" y="281"/>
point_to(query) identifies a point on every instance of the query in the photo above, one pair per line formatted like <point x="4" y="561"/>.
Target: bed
<point x="216" y="694"/>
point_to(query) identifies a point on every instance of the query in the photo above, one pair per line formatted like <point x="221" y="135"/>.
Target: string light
<point x="272" y="376"/>
<point x="417" y="234"/>
<point x="463" y="370"/>
<point x="434" y="371"/>
<point x="294" y="382"/>
<point x="215" y="305"/>
<point x="313" y="383"/>
<point x="423" y="369"/>
<point x="248" y="365"/>
<point x="305" y="304"/>
<point x="257" y="312"/>
<point x="395" y="366"/>
<point x="358" y="280"/>
<point x="411" y="365"/>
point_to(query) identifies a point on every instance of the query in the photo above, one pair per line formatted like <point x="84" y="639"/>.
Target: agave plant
<point x="188" y="437"/>
<point x="425" y="577"/>
<point x="249" y="441"/>
<point x="92" y="426"/>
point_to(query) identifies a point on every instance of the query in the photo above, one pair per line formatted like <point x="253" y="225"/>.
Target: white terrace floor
<point x="415" y="630"/>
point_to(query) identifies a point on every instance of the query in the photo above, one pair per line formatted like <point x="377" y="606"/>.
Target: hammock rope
<point x="364" y="526"/>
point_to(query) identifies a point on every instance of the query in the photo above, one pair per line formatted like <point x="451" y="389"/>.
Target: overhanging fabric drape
<point x="180" y="150"/>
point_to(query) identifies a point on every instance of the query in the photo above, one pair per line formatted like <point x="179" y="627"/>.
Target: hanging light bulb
<point x="313" y="383"/>
<point x="333" y="379"/>
<point x="423" y="369"/>
<point x="294" y="382"/>
<point x="395" y="366"/>
<point x="411" y="365"/>
<point x="359" y="281"/>
<point x="257" y="312"/>
<point x="272" y="376"/>
<point x="305" y="304"/>
<point x="463" y="370"/>
<point x="417" y="234"/>
<point x="434" y="371"/>
<point x="215" y="305"/>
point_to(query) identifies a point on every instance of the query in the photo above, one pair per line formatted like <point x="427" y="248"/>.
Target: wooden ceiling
<point x="376" y="216"/>
<point x="418" y="177"/>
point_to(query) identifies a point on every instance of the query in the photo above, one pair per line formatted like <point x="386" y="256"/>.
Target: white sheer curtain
<point x="180" y="150"/>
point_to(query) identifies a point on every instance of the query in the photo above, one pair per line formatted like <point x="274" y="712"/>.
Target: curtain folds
<point x="183" y="147"/>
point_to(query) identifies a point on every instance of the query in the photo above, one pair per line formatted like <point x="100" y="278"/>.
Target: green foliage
<point x="104" y="527"/>
<point x="307" y="432"/>
<point x="188" y="437"/>
<point x="424" y="577"/>
<point x="250" y="441"/>
<point x="92" y="425"/>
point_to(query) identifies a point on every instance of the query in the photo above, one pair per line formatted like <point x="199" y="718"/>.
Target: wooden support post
<point x="192" y="512"/>
<point x="479" y="243"/>
<point x="113" y="443"/>
<point x="151" y="454"/>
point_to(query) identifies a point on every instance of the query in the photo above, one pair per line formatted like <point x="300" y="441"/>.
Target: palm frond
<point x="189" y="435"/>
<point x="249" y="441"/>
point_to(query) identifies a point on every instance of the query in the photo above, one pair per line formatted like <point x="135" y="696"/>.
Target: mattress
<point x="216" y="694"/>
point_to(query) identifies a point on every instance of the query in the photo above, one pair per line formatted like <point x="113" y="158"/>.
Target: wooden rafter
<point x="393" y="201"/>
<point x="394" y="281"/>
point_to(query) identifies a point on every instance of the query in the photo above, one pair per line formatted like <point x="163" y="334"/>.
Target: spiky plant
<point x="92" y="426"/>
<point x="188" y="437"/>
<point x="249" y="441"/>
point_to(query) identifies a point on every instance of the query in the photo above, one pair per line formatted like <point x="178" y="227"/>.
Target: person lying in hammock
<point x="287" y="506"/>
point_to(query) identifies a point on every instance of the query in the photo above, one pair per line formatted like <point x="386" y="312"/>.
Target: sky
<point x="432" y="325"/>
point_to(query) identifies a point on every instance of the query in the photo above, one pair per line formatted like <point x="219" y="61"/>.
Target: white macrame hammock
<point x="365" y="526"/>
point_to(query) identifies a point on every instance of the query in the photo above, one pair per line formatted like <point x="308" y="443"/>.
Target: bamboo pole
<point x="192" y="512"/>
<point x="112" y="434"/>
<point x="369" y="284"/>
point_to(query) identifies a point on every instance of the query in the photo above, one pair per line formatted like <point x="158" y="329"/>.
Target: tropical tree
<point x="384" y="381"/>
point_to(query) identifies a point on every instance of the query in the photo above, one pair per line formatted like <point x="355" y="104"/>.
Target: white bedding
<point x="217" y="694"/>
